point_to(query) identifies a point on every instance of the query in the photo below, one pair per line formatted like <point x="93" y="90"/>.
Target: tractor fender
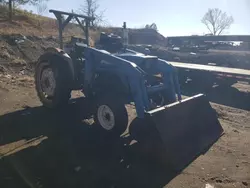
<point x="62" y="57"/>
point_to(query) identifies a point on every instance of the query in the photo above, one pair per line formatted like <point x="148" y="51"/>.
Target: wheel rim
<point x="48" y="82"/>
<point x="106" y="117"/>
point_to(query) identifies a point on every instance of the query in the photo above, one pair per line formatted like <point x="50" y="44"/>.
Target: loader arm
<point x="99" y="61"/>
<point x="185" y="128"/>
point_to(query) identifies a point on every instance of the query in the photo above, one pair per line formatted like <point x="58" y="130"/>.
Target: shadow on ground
<point x="42" y="148"/>
<point x="225" y="95"/>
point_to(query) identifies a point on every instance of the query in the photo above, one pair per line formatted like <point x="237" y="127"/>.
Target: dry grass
<point x="18" y="62"/>
<point x="4" y="54"/>
<point x="30" y="24"/>
<point x="5" y="50"/>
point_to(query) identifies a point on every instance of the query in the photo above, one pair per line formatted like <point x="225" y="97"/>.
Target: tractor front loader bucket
<point x="186" y="129"/>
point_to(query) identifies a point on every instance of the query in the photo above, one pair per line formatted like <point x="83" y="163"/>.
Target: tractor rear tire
<point x="111" y="115"/>
<point x="52" y="83"/>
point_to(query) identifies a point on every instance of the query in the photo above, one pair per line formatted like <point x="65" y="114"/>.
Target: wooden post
<point x="62" y="24"/>
<point x="60" y="28"/>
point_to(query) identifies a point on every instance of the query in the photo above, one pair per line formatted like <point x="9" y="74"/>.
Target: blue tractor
<point x="112" y="76"/>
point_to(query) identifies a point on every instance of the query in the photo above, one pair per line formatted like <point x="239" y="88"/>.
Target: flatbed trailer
<point x="206" y="74"/>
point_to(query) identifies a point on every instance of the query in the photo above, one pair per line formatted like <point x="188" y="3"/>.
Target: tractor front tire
<point x="111" y="115"/>
<point x="52" y="83"/>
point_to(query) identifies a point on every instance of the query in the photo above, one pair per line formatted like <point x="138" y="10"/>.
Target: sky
<point x="172" y="17"/>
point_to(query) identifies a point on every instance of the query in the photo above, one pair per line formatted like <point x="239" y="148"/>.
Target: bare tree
<point x="4" y="2"/>
<point x="41" y="7"/>
<point x="31" y="2"/>
<point x="217" y="21"/>
<point x="91" y="8"/>
<point x="19" y="2"/>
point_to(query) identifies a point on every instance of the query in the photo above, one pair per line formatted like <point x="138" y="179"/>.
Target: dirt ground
<point x="45" y="149"/>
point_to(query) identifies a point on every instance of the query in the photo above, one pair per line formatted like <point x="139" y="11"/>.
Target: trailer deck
<point x="211" y="68"/>
<point x="211" y="73"/>
<point x="228" y="72"/>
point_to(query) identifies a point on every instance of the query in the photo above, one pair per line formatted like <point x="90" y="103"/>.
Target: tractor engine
<point x="110" y="42"/>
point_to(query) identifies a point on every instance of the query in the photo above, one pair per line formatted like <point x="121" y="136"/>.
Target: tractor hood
<point x="137" y="58"/>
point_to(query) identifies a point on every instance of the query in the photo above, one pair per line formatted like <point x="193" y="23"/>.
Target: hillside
<point x="24" y="39"/>
<point x="26" y="23"/>
<point x="30" y="24"/>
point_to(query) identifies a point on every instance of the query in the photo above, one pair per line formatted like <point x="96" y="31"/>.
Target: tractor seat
<point x="80" y="46"/>
<point x="79" y="49"/>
